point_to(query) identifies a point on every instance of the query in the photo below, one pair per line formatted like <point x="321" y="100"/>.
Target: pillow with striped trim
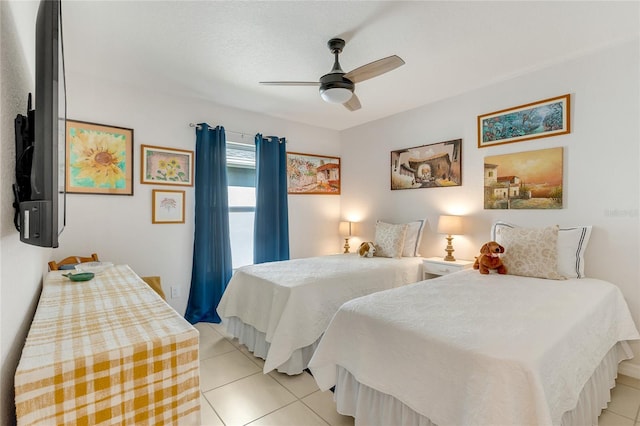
<point x="572" y="244"/>
<point x="413" y="238"/>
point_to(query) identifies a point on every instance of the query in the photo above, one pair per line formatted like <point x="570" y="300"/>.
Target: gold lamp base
<point x="449" y="249"/>
<point x="346" y="245"/>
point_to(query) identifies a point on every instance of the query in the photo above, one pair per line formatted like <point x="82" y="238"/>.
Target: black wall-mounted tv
<point x="41" y="198"/>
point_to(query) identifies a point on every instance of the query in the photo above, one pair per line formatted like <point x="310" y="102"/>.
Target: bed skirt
<point x="256" y="342"/>
<point x="371" y="407"/>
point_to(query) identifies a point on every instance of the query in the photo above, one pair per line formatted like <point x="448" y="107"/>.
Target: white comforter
<point x="293" y="301"/>
<point x="472" y="349"/>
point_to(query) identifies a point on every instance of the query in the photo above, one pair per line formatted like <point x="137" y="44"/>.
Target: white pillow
<point x="572" y="244"/>
<point x="530" y="252"/>
<point x="389" y="240"/>
<point x="413" y="238"/>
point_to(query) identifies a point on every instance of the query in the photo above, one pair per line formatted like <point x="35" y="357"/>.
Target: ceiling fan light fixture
<point x="336" y="95"/>
<point x="338" y="87"/>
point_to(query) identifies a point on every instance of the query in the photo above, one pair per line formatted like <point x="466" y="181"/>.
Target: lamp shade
<point x="336" y="95"/>
<point x="346" y="229"/>
<point x="451" y="225"/>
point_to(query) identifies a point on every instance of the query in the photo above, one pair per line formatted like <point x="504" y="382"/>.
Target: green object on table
<point x="82" y="276"/>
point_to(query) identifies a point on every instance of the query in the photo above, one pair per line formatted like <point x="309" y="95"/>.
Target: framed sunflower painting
<point x="99" y="159"/>
<point x="166" y="166"/>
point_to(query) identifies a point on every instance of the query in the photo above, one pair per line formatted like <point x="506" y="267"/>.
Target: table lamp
<point x="346" y="230"/>
<point x="450" y="225"/>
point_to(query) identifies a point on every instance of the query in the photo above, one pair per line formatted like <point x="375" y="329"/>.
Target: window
<point x="241" y="180"/>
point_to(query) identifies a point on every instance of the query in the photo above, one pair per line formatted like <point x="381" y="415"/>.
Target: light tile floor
<point x="235" y="392"/>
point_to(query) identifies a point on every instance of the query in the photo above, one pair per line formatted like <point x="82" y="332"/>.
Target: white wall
<point x="601" y="158"/>
<point x="119" y="228"/>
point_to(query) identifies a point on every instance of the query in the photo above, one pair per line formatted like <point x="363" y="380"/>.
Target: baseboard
<point x="628" y="369"/>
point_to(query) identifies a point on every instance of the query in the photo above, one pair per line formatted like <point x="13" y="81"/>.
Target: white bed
<point x="477" y="349"/>
<point x="279" y="310"/>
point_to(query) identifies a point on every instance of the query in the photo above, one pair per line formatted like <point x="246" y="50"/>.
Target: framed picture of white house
<point x="313" y="174"/>
<point x="524" y="180"/>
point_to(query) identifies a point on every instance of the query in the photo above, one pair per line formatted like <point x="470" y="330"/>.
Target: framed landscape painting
<point x="524" y="180"/>
<point x="312" y="174"/>
<point x="541" y="119"/>
<point x="427" y="166"/>
<point x="99" y="159"/>
<point x="166" y="166"/>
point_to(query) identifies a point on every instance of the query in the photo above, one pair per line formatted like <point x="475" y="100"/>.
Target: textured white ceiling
<point x="220" y="50"/>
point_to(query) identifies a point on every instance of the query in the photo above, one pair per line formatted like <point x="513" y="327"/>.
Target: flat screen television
<point x="42" y="205"/>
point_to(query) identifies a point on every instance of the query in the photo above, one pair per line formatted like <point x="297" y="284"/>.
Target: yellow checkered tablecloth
<point x="107" y="351"/>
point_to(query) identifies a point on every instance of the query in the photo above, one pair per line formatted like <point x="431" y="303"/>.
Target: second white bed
<point x="477" y="349"/>
<point x="279" y="310"/>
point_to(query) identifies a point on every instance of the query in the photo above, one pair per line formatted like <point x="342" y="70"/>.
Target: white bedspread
<point x="293" y="301"/>
<point x="478" y="349"/>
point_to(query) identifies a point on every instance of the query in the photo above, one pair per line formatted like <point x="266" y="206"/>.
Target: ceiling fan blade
<point x="290" y="83"/>
<point x="374" y="69"/>
<point x="353" y="104"/>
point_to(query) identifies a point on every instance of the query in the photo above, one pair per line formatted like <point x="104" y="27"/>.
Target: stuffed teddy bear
<point x="490" y="258"/>
<point x="366" y="249"/>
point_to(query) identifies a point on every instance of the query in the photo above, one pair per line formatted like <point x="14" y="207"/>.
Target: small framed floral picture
<point x="99" y="159"/>
<point x="166" y="166"/>
<point x="167" y="206"/>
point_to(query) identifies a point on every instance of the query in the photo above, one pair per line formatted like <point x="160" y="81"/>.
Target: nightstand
<point x="435" y="266"/>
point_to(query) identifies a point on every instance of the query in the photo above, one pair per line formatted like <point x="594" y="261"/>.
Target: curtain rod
<point x="242" y="134"/>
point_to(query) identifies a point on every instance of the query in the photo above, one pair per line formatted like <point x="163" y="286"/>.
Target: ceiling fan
<point x="337" y="86"/>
